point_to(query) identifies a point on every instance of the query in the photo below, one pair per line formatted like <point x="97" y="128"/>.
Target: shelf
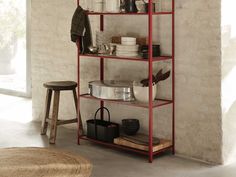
<point x="156" y="103"/>
<point x="161" y="58"/>
<point x="143" y="13"/>
<point x="112" y="145"/>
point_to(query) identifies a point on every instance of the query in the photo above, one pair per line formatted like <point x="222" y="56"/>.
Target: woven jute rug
<point x="42" y="162"/>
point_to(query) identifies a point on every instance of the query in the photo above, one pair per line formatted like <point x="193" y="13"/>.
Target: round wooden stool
<point x="56" y="87"/>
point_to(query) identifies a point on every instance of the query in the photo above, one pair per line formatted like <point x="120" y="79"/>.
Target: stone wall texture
<point x="198" y="70"/>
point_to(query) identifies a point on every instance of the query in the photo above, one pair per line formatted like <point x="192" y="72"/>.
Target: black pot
<point x="130" y="6"/>
<point x="130" y="126"/>
<point x="147" y="6"/>
<point x="156" y="51"/>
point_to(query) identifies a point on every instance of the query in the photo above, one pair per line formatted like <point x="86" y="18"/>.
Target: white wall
<point x="228" y="80"/>
<point x="198" y="72"/>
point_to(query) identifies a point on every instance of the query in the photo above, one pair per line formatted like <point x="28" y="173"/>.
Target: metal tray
<point x="112" y="90"/>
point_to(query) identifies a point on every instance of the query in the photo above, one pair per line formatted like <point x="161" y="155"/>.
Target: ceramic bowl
<point x="141" y="93"/>
<point x="128" y="41"/>
<point x="130" y="126"/>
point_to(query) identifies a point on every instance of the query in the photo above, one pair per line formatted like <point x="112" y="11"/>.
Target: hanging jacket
<point x="81" y="29"/>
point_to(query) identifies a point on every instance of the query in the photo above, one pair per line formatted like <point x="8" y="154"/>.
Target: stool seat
<point x="61" y="85"/>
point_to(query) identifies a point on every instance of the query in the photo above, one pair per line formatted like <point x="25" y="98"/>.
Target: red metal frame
<point x="156" y="103"/>
<point x="107" y="13"/>
<point x="111" y="145"/>
<point x="150" y="61"/>
<point x="150" y="68"/>
<point x="102" y="66"/>
<point x="173" y="76"/>
<point x="78" y="88"/>
<point x="155" y="59"/>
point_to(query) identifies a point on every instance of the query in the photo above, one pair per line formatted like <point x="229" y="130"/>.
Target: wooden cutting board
<point x="163" y="144"/>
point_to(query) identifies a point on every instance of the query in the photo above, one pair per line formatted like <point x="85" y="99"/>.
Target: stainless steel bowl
<point x="112" y="90"/>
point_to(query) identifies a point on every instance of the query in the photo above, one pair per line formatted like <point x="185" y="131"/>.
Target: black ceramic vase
<point x="130" y="6"/>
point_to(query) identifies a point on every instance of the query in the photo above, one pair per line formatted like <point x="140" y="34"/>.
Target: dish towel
<point x="81" y="29"/>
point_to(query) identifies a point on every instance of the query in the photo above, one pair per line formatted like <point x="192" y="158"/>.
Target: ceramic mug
<point x="112" y="5"/>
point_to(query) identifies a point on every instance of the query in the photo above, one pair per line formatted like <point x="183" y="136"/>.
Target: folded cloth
<point x="81" y="29"/>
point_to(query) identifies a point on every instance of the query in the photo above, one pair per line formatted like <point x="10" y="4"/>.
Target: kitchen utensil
<point x="93" y="49"/>
<point x="140" y="6"/>
<point x="163" y="77"/>
<point x="141" y="93"/>
<point x="112" y="48"/>
<point x="112" y="6"/>
<point x="122" y="5"/>
<point x="130" y="6"/>
<point x="112" y="90"/>
<point x="130" y="126"/>
<point x="102" y="130"/>
<point x="103" y="49"/>
<point x="145" y="82"/>
<point x="155" y="79"/>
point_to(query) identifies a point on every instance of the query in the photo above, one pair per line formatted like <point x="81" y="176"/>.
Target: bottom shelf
<point x="163" y="146"/>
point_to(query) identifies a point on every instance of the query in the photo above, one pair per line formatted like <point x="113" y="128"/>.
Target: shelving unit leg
<point x="102" y="65"/>
<point x="173" y="76"/>
<point x="150" y="68"/>
<point x="78" y="90"/>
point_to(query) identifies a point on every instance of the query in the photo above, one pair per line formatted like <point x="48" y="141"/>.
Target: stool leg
<point x="46" y="113"/>
<point x="76" y="107"/>
<point x="53" y="132"/>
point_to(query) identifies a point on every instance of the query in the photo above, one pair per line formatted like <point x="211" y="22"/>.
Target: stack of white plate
<point x="127" y="48"/>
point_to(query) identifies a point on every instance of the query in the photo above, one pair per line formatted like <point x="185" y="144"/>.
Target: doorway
<point x="15" y="47"/>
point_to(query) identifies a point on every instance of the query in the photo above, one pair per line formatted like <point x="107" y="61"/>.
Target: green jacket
<point x="81" y="29"/>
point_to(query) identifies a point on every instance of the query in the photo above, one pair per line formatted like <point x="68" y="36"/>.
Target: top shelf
<point x="110" y="13"/>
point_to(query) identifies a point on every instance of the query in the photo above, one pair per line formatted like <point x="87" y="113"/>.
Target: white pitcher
<point x="112" y="6"/>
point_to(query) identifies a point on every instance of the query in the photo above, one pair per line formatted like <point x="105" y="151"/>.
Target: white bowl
<point x="131" y="39"/>
<point x="128" y="41"/>
<point x="141" y="93"/>
<point x="127" y="48"/>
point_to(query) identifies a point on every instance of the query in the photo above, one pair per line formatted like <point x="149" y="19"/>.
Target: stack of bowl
<point x="127" y="48"/>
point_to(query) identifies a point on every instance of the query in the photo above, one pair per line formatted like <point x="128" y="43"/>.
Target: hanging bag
<point x="102" y="130"/>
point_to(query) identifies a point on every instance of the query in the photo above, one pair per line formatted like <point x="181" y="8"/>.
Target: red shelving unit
<point x="158" y="103"/>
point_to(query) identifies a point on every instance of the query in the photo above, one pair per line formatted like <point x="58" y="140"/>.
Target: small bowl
<point x="130" y="126"/>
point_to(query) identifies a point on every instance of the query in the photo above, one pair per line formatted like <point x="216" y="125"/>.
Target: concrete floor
<point x="106" y="162"/>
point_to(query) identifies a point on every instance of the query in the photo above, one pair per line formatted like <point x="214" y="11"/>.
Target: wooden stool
<point x="54" y="122"/>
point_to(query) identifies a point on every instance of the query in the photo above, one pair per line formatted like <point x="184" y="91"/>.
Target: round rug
<point x="42" y="162"/>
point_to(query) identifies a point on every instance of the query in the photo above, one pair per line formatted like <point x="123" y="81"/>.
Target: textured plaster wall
<point x="198" y="61"/>
<point x="228" y="80"/>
